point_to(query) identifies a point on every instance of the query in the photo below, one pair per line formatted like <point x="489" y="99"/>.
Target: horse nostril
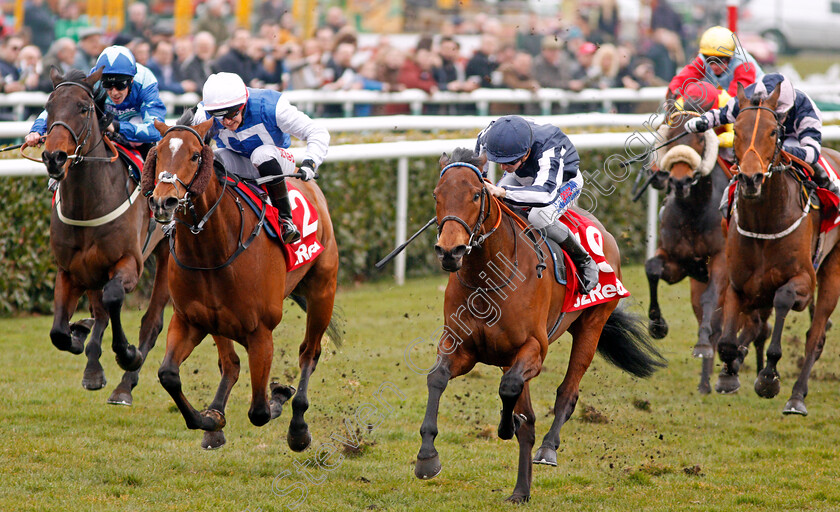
<point x="170" y="203"/>
<point x="439" y="252"/>
<point x="459" y="251"/>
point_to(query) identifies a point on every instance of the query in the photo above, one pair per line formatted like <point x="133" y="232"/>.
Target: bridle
<point x="475" y="239"/>
<point x="197" y="225"/>
<point x="770" y="167"/>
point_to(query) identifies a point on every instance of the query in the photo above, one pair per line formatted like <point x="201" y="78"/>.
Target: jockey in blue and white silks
<point x="128" y="94"/>
<point x="802" y="122"/>
<point x="252" y="129"/>
<point x="541" y="173"/>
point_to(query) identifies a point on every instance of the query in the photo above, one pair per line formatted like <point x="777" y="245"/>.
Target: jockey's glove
<point x="697" y="125"/>
<point x="307" y="168"/>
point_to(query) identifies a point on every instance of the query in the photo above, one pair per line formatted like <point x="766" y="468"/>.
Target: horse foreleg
<point x="829" y="291"/>
<point x="94" y="376"/>
<point x="654" y="267"/>
<point x="526" y="435"/>
<point x="708" y="301"/>
<point x="526" y="365"/>
<point x="229" y="368"/>
<point x="447" y="367"/>
<point x="727" y="347"/>
<point x="585" y="331"/>
<point x="65" y="298"/>
<point x="150" y="325"/>
<point x="793" y="294"/>
<point x="181" y="340"/>
<point x="113" y="294"/>
<point x="260" y="346"/>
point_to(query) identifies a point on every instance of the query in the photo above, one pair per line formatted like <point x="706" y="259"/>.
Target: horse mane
<point x="756" y="99"/>
<point x="467" y="156"/>
<point x="74" y="75"/>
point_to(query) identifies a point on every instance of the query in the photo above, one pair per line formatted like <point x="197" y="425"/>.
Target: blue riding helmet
<point x="508" y="139"/>
<point x="117" y="60"/>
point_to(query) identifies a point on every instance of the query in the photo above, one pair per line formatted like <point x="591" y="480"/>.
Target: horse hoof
<point x="213" y="440"/>
<point x="545" y="455"/>
<point x="705" y="388"/>
<point x="658" y="329"/>
<point x="79" y="332"/>
<point x="767" y="387"/>
<point x="215" y="419"/>
<point x="132" y="361"/>
<point x="94" y="380"/>
<point x="64" y="342"/>
<point x="704" y="351"/>
<point x="120" y="397"/>
<point x="426" y="469"/>
<point x="795" y="406"/>
<point x="299" y="442"/>
<point x="280" y="394"/>
<point x="519" y="498"/>
<point x="728" y="384"/>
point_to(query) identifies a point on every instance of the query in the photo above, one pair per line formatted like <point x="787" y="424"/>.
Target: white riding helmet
<point x="224" y="90"/>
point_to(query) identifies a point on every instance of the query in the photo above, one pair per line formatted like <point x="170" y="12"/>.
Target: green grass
<point x="663" y="447"/>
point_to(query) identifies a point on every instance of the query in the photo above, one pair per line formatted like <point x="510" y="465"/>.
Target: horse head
<point x="688" y="161"/>
<point x="460" y="196"/>
<point x="182" y="164"/>
<point x="71" y="130"/>
<point x="758" y="139"/>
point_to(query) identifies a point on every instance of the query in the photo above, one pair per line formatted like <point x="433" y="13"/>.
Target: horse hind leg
<point x="525" y="435"/>
<point x="229" y="368"/>
<point x="94" y="376"/>
<point x="829" y="291"/>
<point x="65" y="299"/>
<point x="526" y="365"/>
<point x="150" y="326"/>
<point x="113" y="296"/>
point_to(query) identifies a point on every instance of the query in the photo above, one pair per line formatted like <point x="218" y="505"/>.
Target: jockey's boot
<point x="587" y="269"/>
<point x="279" y="195"/>
<point x="822" y="180"/>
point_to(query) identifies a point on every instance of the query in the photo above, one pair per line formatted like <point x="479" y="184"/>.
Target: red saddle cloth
<point x="305" y="217"/>
<point x="609" y="286"/>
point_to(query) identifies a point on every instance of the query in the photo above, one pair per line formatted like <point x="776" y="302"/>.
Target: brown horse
<point x="691" y="243"/>
<point x="516" y="336"/>
<point x="98" y="234"/>
<point x="234" y="290"/>
<point x="771" y="250"/>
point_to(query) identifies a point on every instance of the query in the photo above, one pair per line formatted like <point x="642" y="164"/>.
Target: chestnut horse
<point x="690" y="242"/>
<point x="234" y="289"/>
<point x="771" y="250"/>
<point x="99" y="235"/>
<point x="484" y="235"/>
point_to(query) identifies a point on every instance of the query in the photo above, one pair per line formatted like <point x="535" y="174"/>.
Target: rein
<point x="198" y="226"/>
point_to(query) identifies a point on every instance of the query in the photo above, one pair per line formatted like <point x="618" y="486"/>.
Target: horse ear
<point x="773" y="99"/>
<point x="204" y="128"/>
<point x="444" y="160"/>
<point x="147" y="177"/>
<point x="55" y="75"/>
<point x="161" y="127"/>
<point x="741" y="95"/>
<point x="94" y="77"/>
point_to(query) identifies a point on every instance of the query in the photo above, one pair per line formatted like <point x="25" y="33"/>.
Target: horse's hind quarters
<point x="426" y="469"/>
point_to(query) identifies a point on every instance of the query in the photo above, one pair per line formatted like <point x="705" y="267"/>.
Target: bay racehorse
<point x="100" y="234"/>
<point x="476" y="232"/>
<point x="772" y="250"/>
<point x="234" y="289"/>
<point x="690" y="242"/>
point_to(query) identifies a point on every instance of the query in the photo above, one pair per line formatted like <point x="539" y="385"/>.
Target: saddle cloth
<point x="132" y="160"/>
<point x="304" y="215"/>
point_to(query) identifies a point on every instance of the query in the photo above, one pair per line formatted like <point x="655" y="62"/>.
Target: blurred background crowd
<point x="576" y="45"/>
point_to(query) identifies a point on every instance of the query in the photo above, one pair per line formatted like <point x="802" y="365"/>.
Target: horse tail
<point x="625" y="342"/>
<point x="335" y="331"/>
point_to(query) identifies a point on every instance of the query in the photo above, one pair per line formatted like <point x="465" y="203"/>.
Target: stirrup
<point x="290" y="233"/>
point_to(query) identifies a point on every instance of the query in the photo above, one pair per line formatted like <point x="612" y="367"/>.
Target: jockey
<point x="802" y="123"/>
<point x="720" y="62"/>
<point x="127" y="92"/>
<point x="541" y="172"/>
<point x="252" y="128"/>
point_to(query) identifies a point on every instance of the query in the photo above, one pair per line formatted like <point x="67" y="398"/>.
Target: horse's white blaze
<point x="175" y="144"/>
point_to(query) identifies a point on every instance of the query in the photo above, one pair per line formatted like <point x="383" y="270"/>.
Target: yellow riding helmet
<point x="717" y="42"/>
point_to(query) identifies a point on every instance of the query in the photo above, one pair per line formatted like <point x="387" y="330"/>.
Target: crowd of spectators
<point x="540" y="53"/>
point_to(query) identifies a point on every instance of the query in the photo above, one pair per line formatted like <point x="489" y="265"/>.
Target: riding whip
<point x="381" y="263"/>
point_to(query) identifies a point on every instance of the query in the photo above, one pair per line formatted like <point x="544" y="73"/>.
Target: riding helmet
<point x="507" y="139"/>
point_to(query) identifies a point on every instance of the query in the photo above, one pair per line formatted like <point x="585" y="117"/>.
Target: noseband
<point x="770" y="167"/>
<point x="475" y="239"/>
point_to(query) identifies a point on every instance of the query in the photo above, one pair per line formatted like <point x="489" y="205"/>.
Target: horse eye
<point x="476" y="196"/>
<point x="195" y="156"/>
<point x="434" y="195"/>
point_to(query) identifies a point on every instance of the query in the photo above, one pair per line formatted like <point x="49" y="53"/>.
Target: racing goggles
<point x="118" y="83"/>
<point x="227" y="113"/>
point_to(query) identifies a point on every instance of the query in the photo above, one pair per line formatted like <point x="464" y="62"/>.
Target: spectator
<point x="271" y="71"/>
<point x="326" y="38"/>
<point x="584" y="57"/>
<point x="269" y="30"/>
<point x="162" y="65"/>
<point x="141" y="49"/>
<point x="200" y="65"/>
<point x="390" y="63"/>
<point x="603" y="73"/>
<point x="303" y="63"/>
<point x="519" y="73"/>
<point x="138" y="24"/>
<point x="606" y="22"/>
<point x="665" y="52"/>
<point x="288" y="29"/>
<point x="415" y="73"/>
<point x="30" y="67"/>
<point x="335" y="19"/>
<point x="529" y="39"/>
<point x="70" y="21"/>
<point x="237" y="60"/>
<point x="365" y="79"/>
<point x="339" y="68"/>
<point x="40" y="21"/>
<point x="450" y="74"/>
<point x="89" y="48"/>
<point x="183" y="47"/>
<point x="550" y="70"/>
<point x="483" y="63"/>
<point x="62" y="54"/>
<point x="213" y="19"/>
<point x="273" y="9"/>
<point x="9" y="74"/>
